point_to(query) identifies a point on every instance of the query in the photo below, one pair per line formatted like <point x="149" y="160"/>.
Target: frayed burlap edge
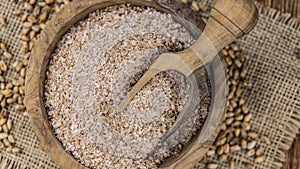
<point x="6" y="163"/>
<point x="294" y="123"/>
<point x="285" y="18"/>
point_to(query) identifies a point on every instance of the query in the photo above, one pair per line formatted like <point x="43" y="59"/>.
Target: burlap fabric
<point x="274" y="98"/>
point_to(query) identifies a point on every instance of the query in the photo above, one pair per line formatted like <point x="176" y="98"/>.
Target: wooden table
<point x="287" y="6"/>
<point x="292" y="160"/>
<point x="292" y="7"/>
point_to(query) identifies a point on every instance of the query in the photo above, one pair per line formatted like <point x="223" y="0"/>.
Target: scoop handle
<point x="229" y="20"/>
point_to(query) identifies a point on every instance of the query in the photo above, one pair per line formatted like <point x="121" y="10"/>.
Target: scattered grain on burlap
<point x="273" y="69"/>
<point x="32" y="155"/>
<point x="274" y="96"/>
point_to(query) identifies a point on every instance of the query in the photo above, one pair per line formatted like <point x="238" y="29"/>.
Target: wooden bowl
<point x="35" y="78"/>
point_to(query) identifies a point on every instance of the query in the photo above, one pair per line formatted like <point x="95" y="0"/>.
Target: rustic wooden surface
<point x="292" y="160"/>
<point x="288" y="6"/>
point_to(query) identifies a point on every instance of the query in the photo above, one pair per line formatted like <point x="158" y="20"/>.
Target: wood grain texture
<point x="78" y="10"/>
<point x="286" y="6"/>
<point x="292" y="160"/>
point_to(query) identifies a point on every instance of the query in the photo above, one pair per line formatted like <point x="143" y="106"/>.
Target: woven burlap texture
<point x="32" y="155"/>
<point x="274" y="71"/>
<point x="273" y="68"/>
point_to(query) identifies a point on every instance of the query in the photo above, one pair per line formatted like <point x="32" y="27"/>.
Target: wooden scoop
<point x="230" y="19"/>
